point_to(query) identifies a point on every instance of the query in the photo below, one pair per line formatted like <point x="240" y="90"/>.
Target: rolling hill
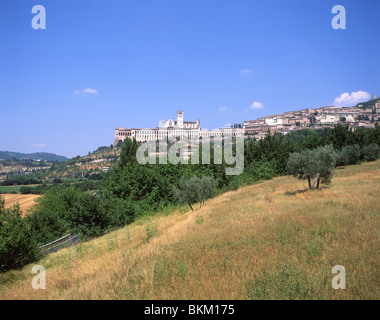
<point x="368" y="104"/>
<point x="273" y="240"/>
<point x="8" y="155"/>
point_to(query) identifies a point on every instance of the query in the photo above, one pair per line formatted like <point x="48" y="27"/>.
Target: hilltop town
<point x="363" y="115"/>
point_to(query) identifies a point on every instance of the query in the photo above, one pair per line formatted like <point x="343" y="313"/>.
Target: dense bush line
<point x="42" y="188"/>
<point x="18" y="244"/>
<point x="20" y="180"/>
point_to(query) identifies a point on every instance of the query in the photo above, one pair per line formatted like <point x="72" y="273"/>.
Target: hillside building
<point x="173" y="129"/>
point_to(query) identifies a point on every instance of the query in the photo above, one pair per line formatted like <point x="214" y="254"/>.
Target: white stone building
<point x="173" y="129"/>
<point x="273" y="121"/>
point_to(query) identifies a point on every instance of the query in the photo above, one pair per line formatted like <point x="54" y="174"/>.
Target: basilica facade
<point x="173" y="129"/>
<point x="167" y="129"/>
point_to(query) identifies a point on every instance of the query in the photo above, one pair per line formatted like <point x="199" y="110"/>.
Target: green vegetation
<point x="89" y="167"/>
<point x="18" y="245"/>
<point x="20" y="180"/>
<point x="315" y="165"/>
<point x="371" y="152"/>
<point x="7" y="155"/>
<point x="193" y="190"/>
<point x="368" y="104"/>
<point x="10" y="189"/>
<point x="271" y="240"/>
<point x="131" y="191"/>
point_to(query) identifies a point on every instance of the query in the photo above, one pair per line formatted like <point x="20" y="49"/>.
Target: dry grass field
<point x="26" y="201"/>
<point x="273" y="240"/>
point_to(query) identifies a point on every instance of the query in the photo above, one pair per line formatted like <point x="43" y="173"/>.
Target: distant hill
<point x="369" y="104"/>
<point x="90" y="166"/>
<point x="8" y="155"/>
<point x="93" y="163"/>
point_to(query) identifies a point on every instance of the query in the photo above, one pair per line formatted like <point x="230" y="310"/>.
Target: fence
<point x="64" y="242"/>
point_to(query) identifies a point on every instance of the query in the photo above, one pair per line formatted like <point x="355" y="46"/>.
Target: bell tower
<point x="180" y="119"/>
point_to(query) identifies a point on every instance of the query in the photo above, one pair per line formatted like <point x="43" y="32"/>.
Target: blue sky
<point x="142" y="60"/>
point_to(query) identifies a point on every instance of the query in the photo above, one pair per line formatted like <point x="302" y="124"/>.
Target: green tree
<point x="188" y="191"/>
<point x="193" y="190"/>
<point x="68" y="209"/>
<point x="207" y="188"/>
<point x="128" y="152"/>
<point x="314" y="165"/>
<point x="371" y="152"/>
<point x="340" y="136"/>
<point x="341" y="158"/>
<point x="18" y="245"/>
<point x="352" y="153"/>
<point x="86" y="216"/>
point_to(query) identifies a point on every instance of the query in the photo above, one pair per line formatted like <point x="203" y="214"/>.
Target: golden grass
<point x="26" y="201"/>
<point x="274" y="240"/>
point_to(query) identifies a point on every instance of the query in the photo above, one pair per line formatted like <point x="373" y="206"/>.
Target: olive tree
<point x="194" y="189"/>
<point x="317" y="165"/>
<point x="207" y="188"/>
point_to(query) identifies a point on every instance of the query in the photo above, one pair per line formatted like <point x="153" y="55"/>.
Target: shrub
<point x="352" y="153"/>
<point x="207" y="188"/>
<point x="151" y="230"/>
<point x="86" y="216"/>
<point x="371" y="152"/>
<point x="18" y="245"/>
<point x="120" y="212"/>
<point x="260" y="170"/>
<point x="68" y="209"/>
<point x="341" y="158"/>
<point x="25" y="190"/>
<point x="47" y="224"/>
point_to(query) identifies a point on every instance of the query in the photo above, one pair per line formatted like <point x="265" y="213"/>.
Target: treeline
<point x="275" y="150"/>
<point x="85" y="185"/>
<point x="25" y="162"/>
<point x="20" y="180"/>
<point x="130" y="190"/>
<point x="317" y="165"/>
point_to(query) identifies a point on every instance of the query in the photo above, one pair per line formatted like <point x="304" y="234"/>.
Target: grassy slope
<point x="271" y="240"/>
